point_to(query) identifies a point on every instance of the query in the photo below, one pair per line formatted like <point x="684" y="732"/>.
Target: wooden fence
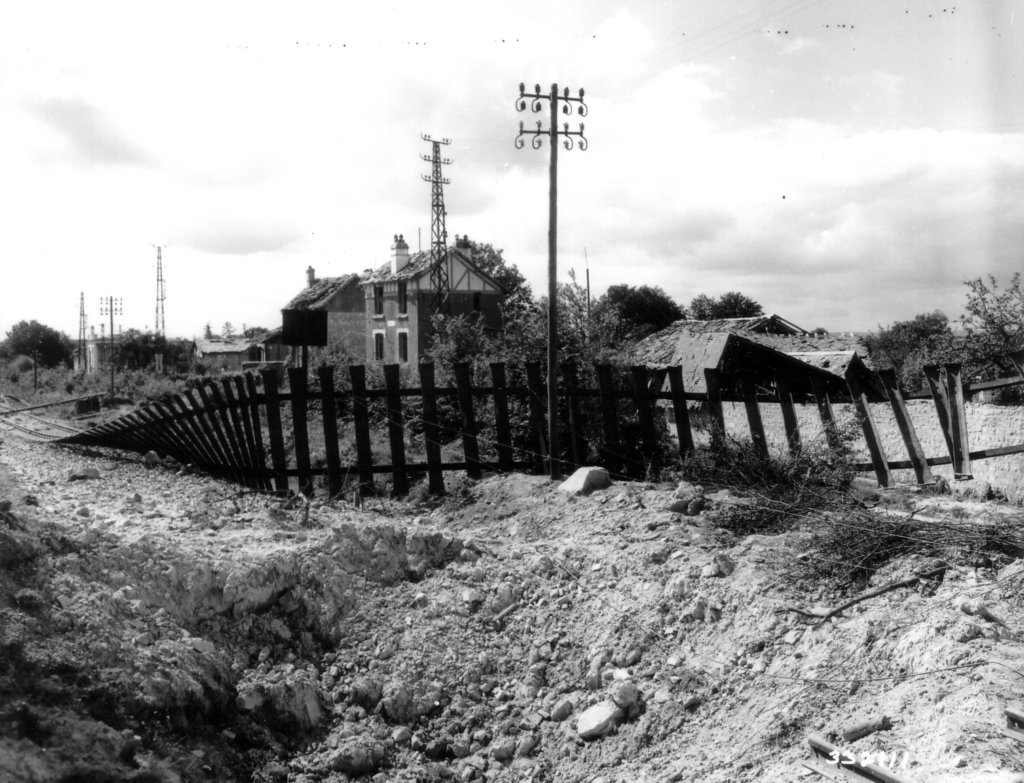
<point x="256" y="433"/>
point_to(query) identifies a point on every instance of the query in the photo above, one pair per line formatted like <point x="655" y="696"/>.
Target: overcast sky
<point x="845" y="164"/>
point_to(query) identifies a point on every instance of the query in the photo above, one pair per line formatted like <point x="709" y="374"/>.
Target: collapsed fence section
<point x="345" y="430"/>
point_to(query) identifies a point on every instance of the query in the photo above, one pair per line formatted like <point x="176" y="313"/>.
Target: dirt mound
<point x="157" y="625"/>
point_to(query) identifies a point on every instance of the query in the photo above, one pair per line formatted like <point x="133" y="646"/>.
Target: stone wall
<point x="988" y="426"/>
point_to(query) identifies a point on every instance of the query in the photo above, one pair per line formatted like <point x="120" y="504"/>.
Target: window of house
<point x="378" y="346"/>
<point x="403" y="299"/>
<point x="403" y="346"/>
<point x="476" y="302"/>
<point x="378" y="300"/>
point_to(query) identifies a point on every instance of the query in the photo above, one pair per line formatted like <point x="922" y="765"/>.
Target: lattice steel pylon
<point x="439" y="282"/>
<point x="82" y="357"/>
<point x="159" y="326"/>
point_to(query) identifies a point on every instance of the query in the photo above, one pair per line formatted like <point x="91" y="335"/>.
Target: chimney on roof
<point x="399" y="254"/>
<point x="463" y="246"/>
<point x="310" y="276"/>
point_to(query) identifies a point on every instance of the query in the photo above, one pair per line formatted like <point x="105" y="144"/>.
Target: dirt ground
<point x="160" y="625"/>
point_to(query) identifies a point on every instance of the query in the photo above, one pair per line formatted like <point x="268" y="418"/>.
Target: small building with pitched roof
<point x="342" y="299"/>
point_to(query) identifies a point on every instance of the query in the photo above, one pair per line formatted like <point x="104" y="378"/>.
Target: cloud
<point x="92" y="138"/>
<point x="238" y="236"/>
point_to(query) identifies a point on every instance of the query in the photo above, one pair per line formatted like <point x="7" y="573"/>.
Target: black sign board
<point x="304" y="327"/>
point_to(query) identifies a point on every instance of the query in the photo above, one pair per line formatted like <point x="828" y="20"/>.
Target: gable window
<point x="403" y="346"/>
<point x="378" y="300"/>
<point x="378" y="346"/>
<point x="403" y="298"/>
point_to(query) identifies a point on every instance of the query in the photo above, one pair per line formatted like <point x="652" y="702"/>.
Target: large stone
<point x="586" y="480"/>
<point x="84" y="473"/>
<point x="503" y="749"/>
<point x="151" y="460"/>
<point x="357" y="756"/>
<point x="365" y="692"/>
<point x="598" y="720"/>
<point x="624" y="693"/>
<point x="397" y="703"/>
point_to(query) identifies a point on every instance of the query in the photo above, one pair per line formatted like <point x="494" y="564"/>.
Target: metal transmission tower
<point x="110" y="305"/>
<point x="161" y="294"/>
<point x="83" y="365"/>
<point x="439" y="282"/>
<point x="535" y="101"/>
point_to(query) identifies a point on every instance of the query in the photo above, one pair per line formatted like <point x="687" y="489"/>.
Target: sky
<point x="847" y="165"/>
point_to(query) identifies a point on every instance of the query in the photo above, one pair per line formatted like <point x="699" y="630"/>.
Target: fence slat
<point x="470" y="446"/>
<point x="361" y="420"/>
<point x="257" y="427"/>
<point x="184" y="445"/>
<point x="870" y="429"/>
<point x="611" y="450"/>
<point x="899" y="411"/>
<point x="218" y="411"/>
<point x="212" y="412"/>
<point x="205" y="425"/>
<point x="645" y="411"/>
<point x="958" y="420"/>
<point x="396" y="430"/>
<point x="502" y="426"/>
<point x="431" y="432"/>
<point x="713" y="381"/>
<point x="160" y="432"/>
<point x="784" y="386"/>
<point x="240" y="399"/>
<point x="330" y="413"/>
<point x="178" y="404"/>
<point x="236" y="427"/>
<point x="299" y="384"/>
<point x="577" y="443"/>
<point x="749" y="392"/>
<point x="538" y="423"/>
<point x="273" y="407"/>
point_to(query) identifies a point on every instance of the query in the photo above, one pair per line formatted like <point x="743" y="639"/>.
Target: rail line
<point x="30" y="425"/>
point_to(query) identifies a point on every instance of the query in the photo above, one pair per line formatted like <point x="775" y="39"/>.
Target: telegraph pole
<point x="439" y="281"/>
<point x="110" y="305"/>
<point x="82" y="361"/>
<point x="535" y="101"/>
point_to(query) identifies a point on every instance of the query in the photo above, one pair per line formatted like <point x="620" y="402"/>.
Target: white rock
<point x="624" y="693"/>
<point x="586" y="480"/>
<point x="598" y="720"/>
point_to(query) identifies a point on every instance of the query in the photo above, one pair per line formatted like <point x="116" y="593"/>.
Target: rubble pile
<point x="157" y="625"/>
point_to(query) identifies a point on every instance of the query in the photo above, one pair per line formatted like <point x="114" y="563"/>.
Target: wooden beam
<point x="899" y="410"/>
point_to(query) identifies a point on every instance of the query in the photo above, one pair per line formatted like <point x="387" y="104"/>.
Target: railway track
<point x="30" y="426"/>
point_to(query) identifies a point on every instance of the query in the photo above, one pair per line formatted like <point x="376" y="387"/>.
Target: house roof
<point x="727" y="352"/>
<point x="219" y="345"/>
<point x="419" y="264"/>
<point x="317" y="296"/>
<point x="760" y="324"/>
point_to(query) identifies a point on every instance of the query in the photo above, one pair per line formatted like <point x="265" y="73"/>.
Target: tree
<point x="48" y="346"/>
<point x="227" y="330"/>
<point x="637" y="311"/>
<point x="490" y="261"/>
<point x="993" y="324"/>
<point x="729" y="305"/>
<point x="207" y="331"/>
<point x="907" y="346"/>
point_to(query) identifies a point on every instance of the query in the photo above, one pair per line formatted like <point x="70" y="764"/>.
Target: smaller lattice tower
<point x="161" y="294"/>
<point x="439" y="282"/>
<point x="81" y="334"/>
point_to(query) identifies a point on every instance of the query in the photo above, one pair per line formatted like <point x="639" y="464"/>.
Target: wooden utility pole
<point x="535" y="101"/>
<point x="111" y="305"/>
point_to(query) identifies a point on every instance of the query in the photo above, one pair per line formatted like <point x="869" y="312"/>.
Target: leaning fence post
<point x="645" y="412"/>
<point x="867" y="423"/>
<point x="825" y="413"/>
<point x="749" y="392"/>
<point x="537" y="396"/>
<point x="958" y="418"/>
<point x="682" y="415"/>
<point x="502" y="427"/>
<point x="899" y="410"/>
<point x="713" y="381"/>
<point x="330" y="414"/>
<point x="784" y="387"/>
<point x="431" y="432"/>
<point x="252" y="394"/>
<point x="298" y="383"/>
<point x="577" y="443"/>
<point x="273" y="408"/>
<point x="396" y="429"/>
<point x="940" y="397"/>
<point x="470" y="446"/>
<point x="612" y="451"/>
<point x="361" y="425"/>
